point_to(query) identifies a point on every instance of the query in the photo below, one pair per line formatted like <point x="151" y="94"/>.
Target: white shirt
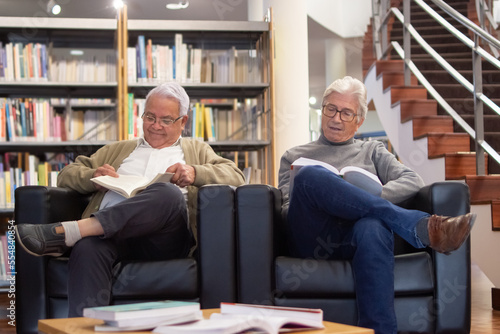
<point x="146" y="161"/>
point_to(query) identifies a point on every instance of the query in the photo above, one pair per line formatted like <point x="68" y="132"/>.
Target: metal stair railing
<point x="382" y="48"/>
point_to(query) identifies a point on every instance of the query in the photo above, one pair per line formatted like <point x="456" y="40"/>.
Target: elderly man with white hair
<point x="329" y="218"/>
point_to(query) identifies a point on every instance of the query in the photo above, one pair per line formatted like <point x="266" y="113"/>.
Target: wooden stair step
<point x="442" y="49"/>
<point x="438" y="144"/>
<point x="443" y="77"/>
<point x="422" y="125"/>
<point x="460" y="6"/>
<point x="431" y="38"/>
<point x="397" y="30"/>
<point x="458" y="64"/>
<point x="459" y="165"/>
<point x="457" y="90"/>
<point x="465" y="106"/>
<point x="448" y="56"/>
<point x="407" y="93"/>
<point x="411" y="108"/>
<point x="493" y="166"/>
<point x="396" y="79"/>
<point x="495" y="215"/>
<point x="389" y="66"/>
<point x="418" y="21"/>
<point x="483" y="189"/>
<point x="493" y="139"/>
<point x="491" y="122"/>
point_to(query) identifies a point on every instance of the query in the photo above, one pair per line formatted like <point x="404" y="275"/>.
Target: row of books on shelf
<point x="41" y="62"/>
<point x="24" y="169"/>
<point x="209" y="120"/>
<point x="46" y="120"/>
<point x="7" y="256"/>
<point x="27" y="119"/>
<point x="148" y="62"/>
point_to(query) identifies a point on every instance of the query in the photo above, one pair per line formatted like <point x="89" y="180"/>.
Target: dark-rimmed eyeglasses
<point x="330" y="110"/>
<point x="151" y="119"/>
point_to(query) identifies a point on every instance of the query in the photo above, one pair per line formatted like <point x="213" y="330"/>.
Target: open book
<point x="129" y="185"/>
<point x="236" y="318"/>
<point x="352" y="174"/>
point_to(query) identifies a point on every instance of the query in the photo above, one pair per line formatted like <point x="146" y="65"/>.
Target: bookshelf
<point x="53" y="71"/>
<point x="43" y="81"/>
<point x="225" y="67"/>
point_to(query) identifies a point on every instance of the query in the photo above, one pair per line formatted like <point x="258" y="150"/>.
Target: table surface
<point x="86" y="326"/>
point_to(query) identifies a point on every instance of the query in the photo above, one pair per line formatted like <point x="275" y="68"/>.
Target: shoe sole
<point x="30" y="252"/>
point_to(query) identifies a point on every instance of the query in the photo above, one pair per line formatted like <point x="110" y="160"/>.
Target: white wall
<point x="291" y="75"/>
<point x="345" y="18"/>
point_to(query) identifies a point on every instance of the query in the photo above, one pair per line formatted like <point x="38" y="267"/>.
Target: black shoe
<point x="41" y="239"/>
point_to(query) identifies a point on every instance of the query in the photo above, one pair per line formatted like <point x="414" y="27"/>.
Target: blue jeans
<point x="329" y="218"/>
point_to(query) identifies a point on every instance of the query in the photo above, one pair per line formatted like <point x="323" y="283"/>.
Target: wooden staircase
<point x="444" y="137"/>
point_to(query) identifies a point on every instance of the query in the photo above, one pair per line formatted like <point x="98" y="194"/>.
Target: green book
<point x="140" y="310"/>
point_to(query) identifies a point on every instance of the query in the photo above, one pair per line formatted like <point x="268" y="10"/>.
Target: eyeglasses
<point x="148" y="118"/>
<point x="330" y="110"/>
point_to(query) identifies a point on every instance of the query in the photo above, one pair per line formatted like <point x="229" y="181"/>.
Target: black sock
<point x="423" y="231"/>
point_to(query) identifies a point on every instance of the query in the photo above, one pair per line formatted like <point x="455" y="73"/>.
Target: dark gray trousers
<point x="152" y="225"/>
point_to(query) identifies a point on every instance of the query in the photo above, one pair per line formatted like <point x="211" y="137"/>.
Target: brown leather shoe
<point x="447" y="234"/>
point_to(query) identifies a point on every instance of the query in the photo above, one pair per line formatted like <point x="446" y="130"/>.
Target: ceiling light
<point x="56" y="10"/>
<point x="178" y="5"/>
<point x="312" y="100"/>
<point x="118" y="4"/>
<point x="53" y="8"/>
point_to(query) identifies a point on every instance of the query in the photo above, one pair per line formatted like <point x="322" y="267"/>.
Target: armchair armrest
<point x="39" y="205"/>
<point x="258" y="211"/>
<point x="216" y="245"/>
<point x="447" y="198"/>
<point x="452" y="272"/>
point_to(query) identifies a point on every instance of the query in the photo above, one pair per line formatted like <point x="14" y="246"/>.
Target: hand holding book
<point x="129" y="185"/>
<point x="352" y="174"/>
<point x="103" y="170"/>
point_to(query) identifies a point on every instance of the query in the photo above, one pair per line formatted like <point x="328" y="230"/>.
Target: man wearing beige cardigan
<point x="159" y="223"/>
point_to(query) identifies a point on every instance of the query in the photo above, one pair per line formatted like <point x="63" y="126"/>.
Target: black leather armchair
<point x="208" y="277"/>
<point x="432" y="290"/>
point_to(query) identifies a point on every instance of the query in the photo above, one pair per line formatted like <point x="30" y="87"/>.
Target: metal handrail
<point x="467" y="41"/>
<point x="446" y="106"/>
<point x="477" y="52"/>
<point x="467" y="23"/>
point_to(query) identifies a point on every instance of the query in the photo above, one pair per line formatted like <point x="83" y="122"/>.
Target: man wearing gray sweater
<point x="359" y="226"/>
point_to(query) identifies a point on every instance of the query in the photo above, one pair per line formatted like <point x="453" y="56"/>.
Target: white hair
<point x="172" y="90"/>
<point x="349" y="86"/>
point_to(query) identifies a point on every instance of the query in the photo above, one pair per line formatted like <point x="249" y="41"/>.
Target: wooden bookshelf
<point x="114" y="36"/>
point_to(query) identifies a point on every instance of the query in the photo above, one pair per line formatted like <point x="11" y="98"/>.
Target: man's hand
<point x="104" y="170"/>
<point x="183" y="174"/>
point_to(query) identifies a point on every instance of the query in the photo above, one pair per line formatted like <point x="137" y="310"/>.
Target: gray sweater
<point x="400" y="182"/>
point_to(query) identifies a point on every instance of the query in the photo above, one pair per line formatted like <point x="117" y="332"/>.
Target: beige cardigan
<point x="210" y="168"/>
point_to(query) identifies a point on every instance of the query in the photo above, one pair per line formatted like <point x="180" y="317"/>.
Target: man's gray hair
<point x="174" y="91"/>
<point x="349" y="86"/>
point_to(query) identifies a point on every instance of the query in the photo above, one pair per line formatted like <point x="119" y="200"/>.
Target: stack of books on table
<point x="143" y="316"/>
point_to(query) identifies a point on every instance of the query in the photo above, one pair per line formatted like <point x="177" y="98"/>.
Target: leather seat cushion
<point x="308" y="278"/>
<point x="149" y="280"/>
